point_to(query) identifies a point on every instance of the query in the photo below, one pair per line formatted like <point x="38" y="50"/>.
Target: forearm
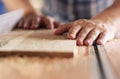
<point x="18" y="4"/>
<point x="110" y="16"/>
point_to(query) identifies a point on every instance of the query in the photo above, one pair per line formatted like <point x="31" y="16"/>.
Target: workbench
<point x="78" y="67"/>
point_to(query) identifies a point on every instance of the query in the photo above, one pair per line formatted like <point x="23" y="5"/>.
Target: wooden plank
<point x="39" y="42"/>
<point x="113" y="53"/>
<point x="108" y="71"/>
<point x="46" y="68"/>
<point x="100" y="65"/>
<point x="84" y="61"/>
<point x="94" y="64"/>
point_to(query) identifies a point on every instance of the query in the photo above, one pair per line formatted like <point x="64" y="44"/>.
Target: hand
<point x="87" y="32"/>
<point x="34" y="21"/>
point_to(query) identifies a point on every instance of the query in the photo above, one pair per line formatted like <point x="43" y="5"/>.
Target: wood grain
<point x="46" y="68"/>
<point x="15" y="67"/>
<point x="113" y="53"/>
<point x="39" y="42"/>
<point x="82" y="66"/>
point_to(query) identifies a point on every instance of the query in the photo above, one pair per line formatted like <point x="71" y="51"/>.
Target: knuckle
<point x="86" y="23"/>
<point x="93" y="32"/>
<point x="83" y="31"/>
<point x="91" y="38"/>
<point x="90" y="25"/>
<point x="81" y="35"/>
<point x="100" y="27"/>
<point x="80" y="22"/>
<point x="91" y="35"/>
<point x="71" y="31"/>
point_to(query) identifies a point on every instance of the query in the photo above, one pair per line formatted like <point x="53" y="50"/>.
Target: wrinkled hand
<point x="34" y="21"/>
<point x="86" y="32"/>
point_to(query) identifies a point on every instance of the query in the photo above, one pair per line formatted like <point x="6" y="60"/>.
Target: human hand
<point x="35" y="21"/>
<point x="87" y="32"/>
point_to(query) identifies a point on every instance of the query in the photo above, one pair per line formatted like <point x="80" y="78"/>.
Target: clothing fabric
<point x="2" y="7"/>
<point x="70" y="10"/>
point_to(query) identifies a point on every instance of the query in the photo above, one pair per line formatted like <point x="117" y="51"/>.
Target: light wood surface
<point x="78" y="67"/>
<point x="113" y="53"/>
<point x="35" y="67"/>
<point x="39" y="42"/>
<point x="46" y="68"/>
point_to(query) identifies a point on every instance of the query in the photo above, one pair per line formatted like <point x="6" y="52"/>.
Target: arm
<point x="99" y="29"/>
<point x="18" y="4"/>
<point x="110" y="16"/>
<point x="32" y="19"/>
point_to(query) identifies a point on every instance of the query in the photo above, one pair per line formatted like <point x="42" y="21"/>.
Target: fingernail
<point x="49" y="27"/>
<point x="79" y="42"/>
<point x="71" y="36"/>
<point x="100" y="42"/>
<point x="87" y="42"/>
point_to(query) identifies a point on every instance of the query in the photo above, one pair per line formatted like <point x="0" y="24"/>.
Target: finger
<point x="63" y="28"/>
<point x="48" y="22"/>
<point x="74" y="31"/>
<point x="20" y="24"/>
<point x="27" y="23"/>
<point x="57" y="24"/>
<point x="104" y="37"/>
<point x="35" y="22"/>
<point x="83" y="34"/>
<point x="117" y="35"/>
<point x="92" y="36"/>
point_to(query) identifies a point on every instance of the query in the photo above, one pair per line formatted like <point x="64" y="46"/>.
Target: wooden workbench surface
<point x="45" y="68"/>
<point x="15" y="67"/>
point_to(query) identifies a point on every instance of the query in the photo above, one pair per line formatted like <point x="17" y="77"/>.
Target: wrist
<point x="107" y="23"/>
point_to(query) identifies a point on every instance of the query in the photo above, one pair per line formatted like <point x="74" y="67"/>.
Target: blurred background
<point x="2" y="8"/>
<point x="35" y="3"/>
